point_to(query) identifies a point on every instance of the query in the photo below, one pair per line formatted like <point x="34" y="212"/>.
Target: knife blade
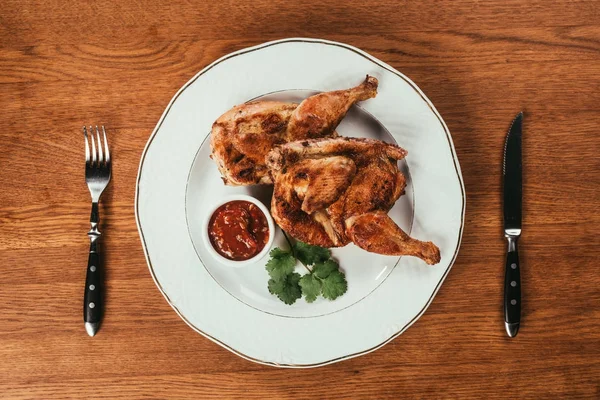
<point x="512" y="175"/>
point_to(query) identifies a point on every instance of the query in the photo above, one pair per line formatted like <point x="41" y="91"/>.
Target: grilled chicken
<point x="329" y="192"/>
<point x="242" y="137"/>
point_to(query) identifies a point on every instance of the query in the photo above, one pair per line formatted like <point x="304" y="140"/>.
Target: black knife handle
<point x="92" y="298"/>
<point x="512" y="289"/>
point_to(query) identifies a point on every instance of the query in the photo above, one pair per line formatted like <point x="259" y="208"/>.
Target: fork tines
<point x="92" y="157"/>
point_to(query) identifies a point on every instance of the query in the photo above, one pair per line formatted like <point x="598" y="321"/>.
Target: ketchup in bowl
<point x="238" y="230"/>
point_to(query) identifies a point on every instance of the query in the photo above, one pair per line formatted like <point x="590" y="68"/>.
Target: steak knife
<point x="512" y="173"/>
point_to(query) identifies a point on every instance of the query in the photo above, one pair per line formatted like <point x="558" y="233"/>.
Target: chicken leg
<point x="319" y="115"/>
<point x="378" y="233"/>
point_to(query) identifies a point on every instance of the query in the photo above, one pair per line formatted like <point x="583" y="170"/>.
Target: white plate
<point x="177" y="183"/>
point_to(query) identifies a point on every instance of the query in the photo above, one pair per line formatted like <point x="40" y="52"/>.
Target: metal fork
<point x="97" y="176"/>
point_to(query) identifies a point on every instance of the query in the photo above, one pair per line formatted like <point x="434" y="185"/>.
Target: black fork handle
<point x="92" y="298"/>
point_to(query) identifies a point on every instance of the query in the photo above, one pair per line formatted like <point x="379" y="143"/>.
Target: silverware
<point x="97" y="176"/>
<point x="512" y="171"/>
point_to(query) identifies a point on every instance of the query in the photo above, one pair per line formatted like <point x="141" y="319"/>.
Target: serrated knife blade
<point x="512" y="176"/>
<point x="512" y="170"/>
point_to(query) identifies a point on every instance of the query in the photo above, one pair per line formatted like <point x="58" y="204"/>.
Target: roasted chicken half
<point x="329" y="192"/>
<point x="242" y="137"/>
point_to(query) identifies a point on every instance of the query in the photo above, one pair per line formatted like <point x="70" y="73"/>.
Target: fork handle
<point x="92" y="299"/>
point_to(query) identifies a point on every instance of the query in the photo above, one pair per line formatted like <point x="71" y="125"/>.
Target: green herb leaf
<point x="311" y="287"/>
<point x="287" y="289"/>
<point x="309" y="255"/>
<point x="323" y="269"/>
<point x="282" y="263"/>
<point x="324" y="278"/>
<point x="334" y="285"/>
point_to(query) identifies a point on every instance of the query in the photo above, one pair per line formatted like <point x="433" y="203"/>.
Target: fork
<point x="97" y="176"/>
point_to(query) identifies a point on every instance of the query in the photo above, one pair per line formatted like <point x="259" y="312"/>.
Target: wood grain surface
<point x="63" y="64"/>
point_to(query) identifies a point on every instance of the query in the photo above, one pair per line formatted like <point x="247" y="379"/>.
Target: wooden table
<point x="63" y="64"/>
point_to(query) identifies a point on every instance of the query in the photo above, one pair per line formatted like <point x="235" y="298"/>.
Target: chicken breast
<point x="329" y="192"/>
<point x="242" y="137"/>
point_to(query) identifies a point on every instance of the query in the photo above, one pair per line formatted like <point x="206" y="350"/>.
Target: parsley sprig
<point x="323" y="278"/>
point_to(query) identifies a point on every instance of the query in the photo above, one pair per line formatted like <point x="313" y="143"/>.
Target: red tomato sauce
<point x="238" y="230"/>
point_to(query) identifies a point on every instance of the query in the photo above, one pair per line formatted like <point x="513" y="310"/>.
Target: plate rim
<point x="378" y="63"/>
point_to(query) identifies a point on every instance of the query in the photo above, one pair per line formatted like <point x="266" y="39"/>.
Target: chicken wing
<point x="306" y="188"/>
<point x="242" y="137"/>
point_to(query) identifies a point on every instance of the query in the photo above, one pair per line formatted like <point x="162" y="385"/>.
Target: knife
<point x="512" y="172"/>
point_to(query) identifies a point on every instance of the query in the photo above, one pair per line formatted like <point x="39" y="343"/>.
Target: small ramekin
<point x="211" y="249"/>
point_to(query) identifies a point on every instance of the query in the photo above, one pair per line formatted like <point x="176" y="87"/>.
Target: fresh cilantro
<point x="309" y="255"/>
<point x="281" y="264"/>
<point x="334" y="285"/>
<point x="325" y="277"/>
<point x="311" y="287"/>
<point x="323" y="269"/>
<point x="287" y="288"/>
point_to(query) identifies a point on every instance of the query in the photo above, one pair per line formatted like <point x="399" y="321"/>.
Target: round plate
<point x="177" y="183"/>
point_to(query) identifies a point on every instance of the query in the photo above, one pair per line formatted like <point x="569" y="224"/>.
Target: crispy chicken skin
<point x="329" y="192"/>
<point x="242" y="137"/>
